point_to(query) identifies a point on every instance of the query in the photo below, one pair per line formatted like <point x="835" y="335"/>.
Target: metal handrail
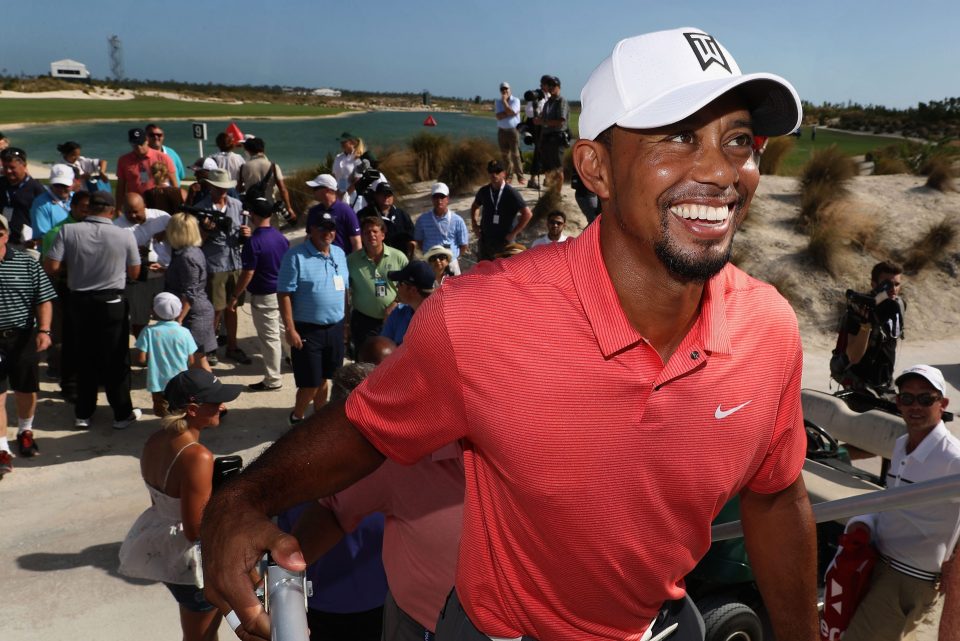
<point x="892" y="498"/>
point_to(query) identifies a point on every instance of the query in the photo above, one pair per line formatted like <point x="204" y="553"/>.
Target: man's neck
<point x="553" y="237"/>
<point x="325" y="250"/>
<point x="439" y="215"/>
<point x="915" y="437"/>
<point x="660" y="307"/>
<point x="13" y="182"/>
<point x="374" y="253"/>
<point x="385" y="210"/>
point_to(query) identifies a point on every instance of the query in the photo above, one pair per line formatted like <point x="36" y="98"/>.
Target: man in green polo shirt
<point x="373" y="296"/>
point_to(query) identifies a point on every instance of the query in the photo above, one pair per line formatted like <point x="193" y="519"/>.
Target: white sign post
<point x="200" y="133"/>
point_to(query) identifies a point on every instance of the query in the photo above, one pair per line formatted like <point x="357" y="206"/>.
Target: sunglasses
<point x="438" y="258"/>
<point x="555" y="222"/>
<point x="926" y="400"/>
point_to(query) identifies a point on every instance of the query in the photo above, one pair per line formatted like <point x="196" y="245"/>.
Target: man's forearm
<point x="245" y="277"/>
<point x="319" y="457"/>
<point x="286" y="309"/>
<point x="44" y="314"/>
<point x="781" y="538"/>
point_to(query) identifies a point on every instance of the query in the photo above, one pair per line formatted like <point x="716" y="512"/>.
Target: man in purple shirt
<point x="260" y="264"/>
<point x="348" y="227"/>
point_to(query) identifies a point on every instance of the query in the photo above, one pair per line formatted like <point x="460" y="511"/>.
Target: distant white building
<point x="69" y="70"/>
<point x="329" y="93"/>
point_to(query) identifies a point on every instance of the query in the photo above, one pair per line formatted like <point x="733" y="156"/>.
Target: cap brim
<point x="223" y="394"/>
<point x="772" y="101"/>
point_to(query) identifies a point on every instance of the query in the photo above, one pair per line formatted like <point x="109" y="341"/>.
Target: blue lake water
<point x="293" y="144"/>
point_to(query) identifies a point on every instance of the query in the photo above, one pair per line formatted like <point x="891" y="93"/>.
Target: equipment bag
<point x="846" y="582"/>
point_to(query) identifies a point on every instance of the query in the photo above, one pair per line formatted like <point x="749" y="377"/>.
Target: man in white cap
<point x="913" y="543"/>
<point x="442" y="226"/>
<point x="324" y="189"/>
<point x="506" y="108"/>
<point x="53" y="206"/>
<point x="681" y="377"/>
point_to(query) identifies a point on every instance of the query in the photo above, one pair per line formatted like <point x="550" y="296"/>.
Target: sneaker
<point x="212" y="357"/>
<point x="6" y="463"/>
<point x="28" y="446"/>
<point x="238" y="355"/>
<point x="293" y="420"/>
<point x="263" y="387"/>
<point x="81" y="423"/>
<point x="127" y="422"/>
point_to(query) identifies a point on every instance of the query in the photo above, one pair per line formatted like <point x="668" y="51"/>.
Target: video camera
<point x="220" y="219"/>
<point x="534" y="95"/>
<point x="365" y="175"/>
<point x="874" y="297"/>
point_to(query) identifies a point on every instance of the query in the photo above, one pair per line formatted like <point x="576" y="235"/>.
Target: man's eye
<point x="743" y="140"/>
<point x="685" y="137"/>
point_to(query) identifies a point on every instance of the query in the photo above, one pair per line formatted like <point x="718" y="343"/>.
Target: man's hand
<point x="245" y="231"/>
<point x="43" y="341"/>
<point x="234" y="536"/>
<point x="293" y="338"/>
<point x="232" y="305"/>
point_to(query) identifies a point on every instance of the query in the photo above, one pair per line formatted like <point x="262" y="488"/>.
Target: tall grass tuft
<point x="939" y="173"/>
<point x="431" y="152"/>
<point x="776" y="150"/>
<point x="932" y="246"/>
<point x="886" y="165"/>
<point x="823" y="181"/>
<point x="836" y="233"/>
<point x="399" y="166"/>
<point x="301" y="196"/>
<point x="549" y="201"/>
<point x="465" y="166"/>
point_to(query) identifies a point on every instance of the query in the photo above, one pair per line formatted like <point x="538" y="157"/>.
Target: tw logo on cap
<point x="707" y="50"/>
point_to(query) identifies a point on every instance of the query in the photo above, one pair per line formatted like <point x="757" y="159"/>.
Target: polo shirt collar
<point x="929" y="443"/>
<point x="610" y="324"/>
<point x="103" y="220"/>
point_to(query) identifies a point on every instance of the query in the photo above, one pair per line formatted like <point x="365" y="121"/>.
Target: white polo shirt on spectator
<point x="917" y="540"/>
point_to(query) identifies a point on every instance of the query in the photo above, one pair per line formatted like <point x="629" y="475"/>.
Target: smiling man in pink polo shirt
<point x="678" y="378"/>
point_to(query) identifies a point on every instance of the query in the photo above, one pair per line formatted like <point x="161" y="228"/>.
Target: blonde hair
<point x="183" y="231"/>
<point x="360" y="149"/>
<point x="176" y="423"/>
<point x="159" y="172"/>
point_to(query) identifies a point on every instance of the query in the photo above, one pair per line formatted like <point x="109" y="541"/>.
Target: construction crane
<point x="116" y="57"/>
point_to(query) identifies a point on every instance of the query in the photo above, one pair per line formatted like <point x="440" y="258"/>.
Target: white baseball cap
<point x="167" y="306"/>
<point x="61" y="174"/>
<point x="440" y="188"/>
<point x="931" y="374"/>
<point x="660" y="78"/>
<point x="323" y="180"/>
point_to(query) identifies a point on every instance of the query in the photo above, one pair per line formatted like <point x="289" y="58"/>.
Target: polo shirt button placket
<point x="695" y="355"/>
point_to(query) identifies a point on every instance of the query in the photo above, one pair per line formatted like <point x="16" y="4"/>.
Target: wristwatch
<point x="45" y="331"/>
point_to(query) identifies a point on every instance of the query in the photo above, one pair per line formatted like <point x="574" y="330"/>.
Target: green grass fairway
<point x="849" y="143"/>
<point x="53" y="109"/>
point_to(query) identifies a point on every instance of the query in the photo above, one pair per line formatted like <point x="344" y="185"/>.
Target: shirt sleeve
<point x="142" y="341"/>
<point x="418" y="229"/>
<point x="248" y="256"/>
<point x="56" y="249"/>
<point x="287" y="278"/>
<point x="463" y="236"/>
<point x="407" y="422"/>
<point x="784" y="458"/>
<point x="133" y="253"/>
<point x="42" y="285"/>
<point x="354" y="222"/>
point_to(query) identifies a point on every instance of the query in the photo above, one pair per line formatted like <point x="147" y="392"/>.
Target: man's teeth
<point x="701" y="212"/>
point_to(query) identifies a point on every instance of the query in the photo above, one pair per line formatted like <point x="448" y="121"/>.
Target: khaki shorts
<point x="221" y="286"/>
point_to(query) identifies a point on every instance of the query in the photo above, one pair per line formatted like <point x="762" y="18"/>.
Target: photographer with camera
<point x="554" y="135"/>
<point x="869" y="331"/>
<point x="223" y="235"/>
<point x="529" y="130"/>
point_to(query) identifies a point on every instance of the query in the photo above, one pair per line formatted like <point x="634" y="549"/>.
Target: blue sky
<point x="893" y="53"/>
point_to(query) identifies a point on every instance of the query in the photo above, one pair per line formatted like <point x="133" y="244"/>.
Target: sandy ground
<point x="67" y="511"/>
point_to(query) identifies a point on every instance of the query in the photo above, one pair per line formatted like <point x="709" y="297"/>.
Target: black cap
<point x="198" y="386"/>
<point x="259" y="207"/>
<point x="550" y="81"/>
<point x="101" y="198"/>
<point x="346" y="136"/>
<point x="136" y="136"/>
<point x="494" y="167"/>
<point x="321" y="219"/>
<point x="384" y="188"/>
<point x="416" y="273"/>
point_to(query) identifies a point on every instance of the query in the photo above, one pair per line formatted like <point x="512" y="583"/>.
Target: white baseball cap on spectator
<point x="657" y="79"/>
<point x="439" y="188"/>
<point x="61" y="174"/>
<point x="323" y="180"/>
<point x="931" y="374"/>
<point x="167" y="306"/>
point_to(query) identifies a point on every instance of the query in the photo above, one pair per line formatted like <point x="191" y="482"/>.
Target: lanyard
<point x="443" y="232"/>
<point x="11" y="194"/>
<point x="496" y="202"/>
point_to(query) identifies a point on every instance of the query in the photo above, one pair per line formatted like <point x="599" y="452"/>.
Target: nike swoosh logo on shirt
<point x="721" y="414"/>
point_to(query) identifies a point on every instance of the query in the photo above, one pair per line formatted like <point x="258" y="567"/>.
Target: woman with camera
<point x="163" y="543"/>
<point x="186" y="278"/>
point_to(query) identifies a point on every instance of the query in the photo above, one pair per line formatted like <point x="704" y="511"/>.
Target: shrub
<point x="399" y="166"/>
<point x="465" y="165"/>
<point x="939" y="173"/>
<point x="823" y="180"/>
<point x="301" y="197"/>
<point x="885" y="166"/>
<point x="431" y="152"/>
<point x="549" y="201"/>
<point x="836" y="231"/>
<point x="776" y="150"/>
<point x="824" y="247"/>
<point x="931" y="246"/>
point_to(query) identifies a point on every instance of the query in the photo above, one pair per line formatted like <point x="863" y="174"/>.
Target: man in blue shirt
<point x="441" y="226"/>
<point x="261" y="257"/>
<point x="53" y="206"/>
<point x="347" y="226"/>
<point x="312" y="288"/>
<point x="414" y="284"/>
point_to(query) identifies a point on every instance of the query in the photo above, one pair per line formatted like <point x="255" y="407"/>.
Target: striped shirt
<point x="23" y="286"/>
<point x="449" y="230"/>
<point x="316" y="283"/>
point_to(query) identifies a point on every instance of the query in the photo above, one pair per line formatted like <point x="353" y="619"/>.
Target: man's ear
<point x="592" y="160"/>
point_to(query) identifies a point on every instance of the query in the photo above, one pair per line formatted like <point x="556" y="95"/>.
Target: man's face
<point x="325" y="196"/>
<point x="4" y="236"/>
<point x="15" y="170"/>
<point x="140" y="150"/>
<point x="372" y="237"/>
<point x="896" y="279"/>
<point x="504" y="92"/>
<point x="916" y="416"/>
<point x="62" y="192"/>
<point x="682" y="190"/>
<point x="135" y="212"/>
<point x="384" y="201"/>
<point x="555" y="227"/>
<point x="440" y="204"/>
<point x="497" y="178"/>
<point x="217" y="193"/>
<point x="155" y="137"/>
<point x="322" y="237"/>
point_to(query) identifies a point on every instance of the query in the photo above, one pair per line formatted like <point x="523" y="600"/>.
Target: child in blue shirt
<point x="169" y="346"/>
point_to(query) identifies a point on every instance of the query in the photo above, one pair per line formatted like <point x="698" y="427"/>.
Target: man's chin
<point x="691" y="269"/>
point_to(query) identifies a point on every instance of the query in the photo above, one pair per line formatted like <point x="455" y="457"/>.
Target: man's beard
<point x="688" y="267"/>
